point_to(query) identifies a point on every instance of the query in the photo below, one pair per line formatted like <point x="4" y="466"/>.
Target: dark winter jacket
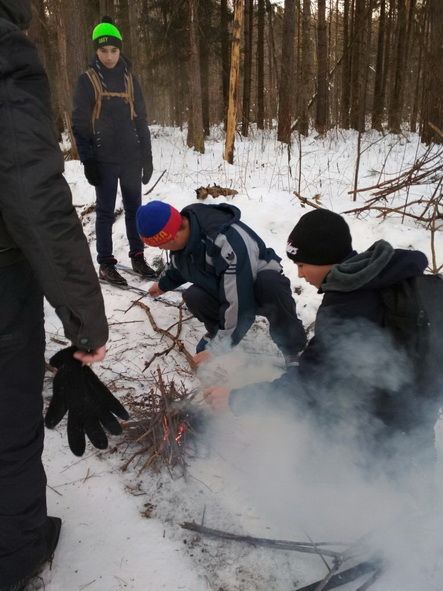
<point x="116" y="138"/>
<point x="37" y="218"/>
<point x="350" y="364"/>
<point x="223" y="257"/>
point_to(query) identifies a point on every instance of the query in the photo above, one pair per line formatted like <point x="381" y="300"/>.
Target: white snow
<point x="253" y="476"/>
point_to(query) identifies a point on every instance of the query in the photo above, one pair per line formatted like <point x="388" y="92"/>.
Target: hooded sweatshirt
<point x="351" y="363"/>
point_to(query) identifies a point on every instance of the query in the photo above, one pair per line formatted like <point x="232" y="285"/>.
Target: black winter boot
<point x="140" y="266"/>
<point x="109" y="273"/>
<point x="51" y="535"/>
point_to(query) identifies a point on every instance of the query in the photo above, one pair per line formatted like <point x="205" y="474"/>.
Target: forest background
<point x="296" y="64"/>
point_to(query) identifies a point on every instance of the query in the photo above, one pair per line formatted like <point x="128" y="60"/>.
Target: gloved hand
<point x="90" y="405"/>
<point x="91" y="172"/>
<point x="148" y="169"/>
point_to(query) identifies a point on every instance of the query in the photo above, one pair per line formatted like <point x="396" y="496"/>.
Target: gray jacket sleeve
<point x="35" y="200"/>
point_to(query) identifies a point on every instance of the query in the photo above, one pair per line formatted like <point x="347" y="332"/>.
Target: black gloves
<point x="91" y="172"/>
<point x="89" y="403"/>
<point x="148" y="169"/>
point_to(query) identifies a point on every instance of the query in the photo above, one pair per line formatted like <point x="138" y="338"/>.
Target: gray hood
<point x="379" y="266"/>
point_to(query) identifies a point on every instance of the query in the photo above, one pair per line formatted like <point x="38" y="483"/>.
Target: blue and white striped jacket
<point x="223" y="256"/>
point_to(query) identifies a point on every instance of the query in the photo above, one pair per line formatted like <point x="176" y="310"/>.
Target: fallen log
<point x="214" y="191"/>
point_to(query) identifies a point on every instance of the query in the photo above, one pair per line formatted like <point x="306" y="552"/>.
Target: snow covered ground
<point x="258" y="476"/>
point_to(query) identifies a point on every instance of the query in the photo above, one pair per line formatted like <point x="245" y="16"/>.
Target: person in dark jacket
<point x="350" y="372"/>
<point x="234" y="275"/>
<point x="43" y="251"/>
<point x="114" y="144"/>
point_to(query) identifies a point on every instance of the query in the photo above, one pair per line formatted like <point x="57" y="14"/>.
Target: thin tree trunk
<point x="378" y="105"/>
<point x="358" y="61"/>
<point x="196" y="137"/>
<point x="396" y="102"/>
<point x="306" y="69"/>
<point x="272" y="63"/>
<point x="233" y="82"/>
<point x="204" y="30"/>
<point x="287" y="73"/>
<point x="322" y="111"/>
<point x="433" y="89"/>
<point x="421" y="27"/>
<point x="366" y="60"/>
<point x="224" y="39"/>
<point x="260" y="64"/>
<point x="247" y="70"/>
<point x="346" y="70"/>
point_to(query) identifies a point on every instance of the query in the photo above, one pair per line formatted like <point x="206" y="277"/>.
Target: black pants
<point x="274" y="301"/>
<point x="22" y="478"/>
<point x="129" y="176"/>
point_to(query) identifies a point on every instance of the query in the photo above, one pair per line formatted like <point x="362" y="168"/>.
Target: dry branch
<point x="314" y="202"/>
<point x="306" y="547"/>
<point x="176" y="342"/>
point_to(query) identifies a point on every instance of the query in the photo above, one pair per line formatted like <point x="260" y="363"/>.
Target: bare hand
<point x="154" y="290"/>
<point x="202" y="357"/>
<point x="217" y="397"/>
<point x="91" y="356"/>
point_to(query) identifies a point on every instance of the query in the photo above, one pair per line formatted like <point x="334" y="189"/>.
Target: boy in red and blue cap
<point x="234" y="275"/>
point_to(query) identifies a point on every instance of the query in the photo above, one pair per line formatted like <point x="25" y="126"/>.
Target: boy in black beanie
<point x="350" y="373"/>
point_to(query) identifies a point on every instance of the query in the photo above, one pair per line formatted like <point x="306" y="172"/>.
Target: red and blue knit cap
<point x="158" y="223"/>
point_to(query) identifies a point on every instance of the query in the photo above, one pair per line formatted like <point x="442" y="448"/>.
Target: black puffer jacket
<point x="350" y="365"/>
<point x="37" y="218"/>
<point x="116" y="138"/>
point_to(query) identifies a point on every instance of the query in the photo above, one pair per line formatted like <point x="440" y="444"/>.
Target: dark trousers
<point x="274" y="301"/>
<point x="129" y="176"/>
<point x="22" y="478"/>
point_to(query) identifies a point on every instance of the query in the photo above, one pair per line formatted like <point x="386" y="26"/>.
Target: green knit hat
<point x="106" y="33"/>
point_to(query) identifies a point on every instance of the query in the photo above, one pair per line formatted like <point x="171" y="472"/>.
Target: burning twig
<point x="164" y="424"/>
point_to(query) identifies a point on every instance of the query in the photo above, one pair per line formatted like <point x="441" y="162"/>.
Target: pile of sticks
<point x="164" y="426"/>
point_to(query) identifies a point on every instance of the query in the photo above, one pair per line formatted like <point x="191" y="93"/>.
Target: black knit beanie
<point x="321" y="237"/>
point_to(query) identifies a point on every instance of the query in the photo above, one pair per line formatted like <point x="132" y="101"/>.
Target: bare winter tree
<point x="196" y="136"/>
<point x="322" y="111"/>
<point x="433" y="87"/>
<point x="307" y="69"/>
<point x="346" y="69"/>
<point x="260" y="64"/>
<point x="378" y="104"/>
<point x="397" y="89"/>
<point x="205" y="17"/>
<point x="357" y="67"/>
<point x="231" y="121"/>
<point x="287" y="73"/>
<point x="225" y="56"/>
<point x="247" y="69"/>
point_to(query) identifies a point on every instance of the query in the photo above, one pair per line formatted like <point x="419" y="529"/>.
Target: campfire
<point x="165" y="424"/>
